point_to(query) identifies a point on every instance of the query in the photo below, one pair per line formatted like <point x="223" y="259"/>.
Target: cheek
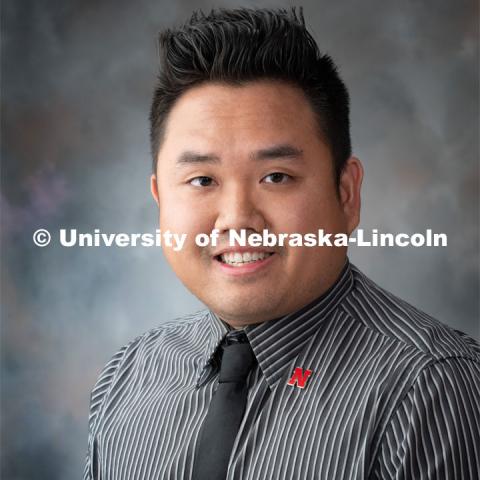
<point x="176" y="220"/>
<point x="306" y="213"/>
<point x="183" y="216"/>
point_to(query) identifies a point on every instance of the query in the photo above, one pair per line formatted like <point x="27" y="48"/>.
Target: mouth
<point x="240" y="259"/>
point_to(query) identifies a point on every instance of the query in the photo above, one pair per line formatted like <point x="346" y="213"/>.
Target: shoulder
<point x="179" y="331"/>
<point x="182" y="330"/>
<point x="404" y="344"/>
<point x="178" y="334"/>
<point x="417" y="360"/>
<point x="401" y="324"/>
<point x="170" y="338"/>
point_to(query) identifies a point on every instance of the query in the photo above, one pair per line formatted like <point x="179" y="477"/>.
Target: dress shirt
<point x="392" y="394"/>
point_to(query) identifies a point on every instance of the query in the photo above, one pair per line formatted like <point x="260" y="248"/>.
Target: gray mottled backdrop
<point x="76" y="84"/>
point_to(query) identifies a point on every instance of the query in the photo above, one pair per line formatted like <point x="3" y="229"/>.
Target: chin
<point x="244" y="310"/>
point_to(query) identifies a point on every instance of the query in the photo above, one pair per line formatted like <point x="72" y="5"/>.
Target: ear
<point x="349" y="190"/>
<point x="154" y="188"/>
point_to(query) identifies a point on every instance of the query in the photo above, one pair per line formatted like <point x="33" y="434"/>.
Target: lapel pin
<point x="299" y="377"/>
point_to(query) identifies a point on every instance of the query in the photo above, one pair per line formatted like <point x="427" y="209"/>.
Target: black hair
<point x="242" y="45"/>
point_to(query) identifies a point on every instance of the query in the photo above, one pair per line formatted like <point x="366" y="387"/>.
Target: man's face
<point x="251" y="158"/>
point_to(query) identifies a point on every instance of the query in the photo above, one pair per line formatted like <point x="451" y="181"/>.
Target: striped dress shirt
<point x="392" y="394"/>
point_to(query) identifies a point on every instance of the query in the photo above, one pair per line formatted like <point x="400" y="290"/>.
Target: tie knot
<point x="235" y="336"/>
<point x="237" y="358"/>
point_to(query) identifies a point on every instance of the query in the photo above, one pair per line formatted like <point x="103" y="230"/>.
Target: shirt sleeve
<point x="97" y="397"/>
<point x="435" y="432"/>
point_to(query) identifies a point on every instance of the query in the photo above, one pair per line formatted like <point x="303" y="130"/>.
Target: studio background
<point x="77" y="78"/>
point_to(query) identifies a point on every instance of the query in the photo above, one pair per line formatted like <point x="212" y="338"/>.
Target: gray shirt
<point x="358" y="384"/>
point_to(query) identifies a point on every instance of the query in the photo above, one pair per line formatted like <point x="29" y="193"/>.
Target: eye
<point x="202" y="181"/>
<point x="277" y="177"/>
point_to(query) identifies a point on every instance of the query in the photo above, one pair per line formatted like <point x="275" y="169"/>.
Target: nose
<point x="237" y="209"/>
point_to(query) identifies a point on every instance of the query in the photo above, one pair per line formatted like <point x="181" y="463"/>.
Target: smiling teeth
<point x="237" y="258"/>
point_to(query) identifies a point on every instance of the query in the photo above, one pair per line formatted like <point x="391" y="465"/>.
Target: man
<point x="301" y="367"/>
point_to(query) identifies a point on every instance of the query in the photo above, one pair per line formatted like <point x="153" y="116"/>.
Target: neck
<point x="242" y="321"/>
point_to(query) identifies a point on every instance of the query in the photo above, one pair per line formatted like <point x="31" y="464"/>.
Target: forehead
<point x="236" y="117"/>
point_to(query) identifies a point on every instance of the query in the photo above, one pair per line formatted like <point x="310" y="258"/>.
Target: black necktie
<point x="226" y="409"/>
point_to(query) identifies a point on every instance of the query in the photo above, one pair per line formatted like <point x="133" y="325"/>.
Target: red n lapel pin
<point x="299" y="377"/>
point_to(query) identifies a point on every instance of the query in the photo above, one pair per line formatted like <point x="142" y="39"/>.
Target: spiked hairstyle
<point x="243" y="45"/>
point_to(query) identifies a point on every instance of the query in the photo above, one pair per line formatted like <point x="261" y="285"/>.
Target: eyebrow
<point x="282" y="151"/>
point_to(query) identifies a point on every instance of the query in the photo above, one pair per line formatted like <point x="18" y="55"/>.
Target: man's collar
<point x="277" y="342"/>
